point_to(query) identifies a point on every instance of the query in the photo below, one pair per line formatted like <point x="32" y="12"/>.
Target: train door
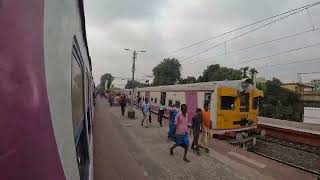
<point x="192" y="103"/>
<point x="163" y="97"/>
<point x="207" y="98"/>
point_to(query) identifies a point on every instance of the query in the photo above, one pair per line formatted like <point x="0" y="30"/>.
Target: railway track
<point x="296" y="145"/>
<point x="301" y="156"/>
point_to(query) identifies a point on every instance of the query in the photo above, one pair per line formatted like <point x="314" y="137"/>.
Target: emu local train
<point x="233" y="104"/>
<point x="45" y="90"/>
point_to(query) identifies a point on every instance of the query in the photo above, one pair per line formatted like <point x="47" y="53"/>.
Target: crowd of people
<point x="179" y="129"/>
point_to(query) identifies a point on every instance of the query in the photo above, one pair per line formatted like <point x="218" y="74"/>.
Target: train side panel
<point x="154" y="101"/>
<point x="28" y="145"/>
<point x="175" y="98"/>
<point x="68" y="75"/>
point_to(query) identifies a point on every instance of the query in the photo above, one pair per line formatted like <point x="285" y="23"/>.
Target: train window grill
<point x="244" y="102"/>
<point x="227" y="103"/>
<point x="170" y="102"/>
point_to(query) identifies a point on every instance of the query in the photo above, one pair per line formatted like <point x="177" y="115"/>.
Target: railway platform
<point x="125" y="150"/>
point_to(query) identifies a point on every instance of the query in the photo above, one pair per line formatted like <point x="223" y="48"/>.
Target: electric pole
<point x="131" y="113"/>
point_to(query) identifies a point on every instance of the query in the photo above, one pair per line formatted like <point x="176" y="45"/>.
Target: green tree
<point x="103" y="80"/>
<point x="244" y="71"/>
<point x="280" y="103"/>
<point x="253" y="72"/>
<point x="100" y="89"/>
<point x="136" y="84"/>
<point x="168" y="72"/>
<point x="216" y="73"/>
<point x="188" y="80"/>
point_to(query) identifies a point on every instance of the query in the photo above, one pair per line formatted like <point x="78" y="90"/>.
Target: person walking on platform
<point x="139" y="101"/>
<point x="196" y="127"/>
<point x="145" y="111"/>
<point x="123" y="104"/>
<point x="206" y="121"/>
<point x="162" y="108"/>
<point x="111" y="99"/>
<point x="173" y="112"/>
<point x="181" y="134"/>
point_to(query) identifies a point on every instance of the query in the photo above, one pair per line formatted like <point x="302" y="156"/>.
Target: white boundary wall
<point x="311" y="115"/>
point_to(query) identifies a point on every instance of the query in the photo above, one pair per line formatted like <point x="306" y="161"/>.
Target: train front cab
<point x="233" y="110"/>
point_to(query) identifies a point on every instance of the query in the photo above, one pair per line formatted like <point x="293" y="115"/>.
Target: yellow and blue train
<point x="233" y="104"/>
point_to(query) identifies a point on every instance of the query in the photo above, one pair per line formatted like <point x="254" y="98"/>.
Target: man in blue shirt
<point x="145" y="111"/>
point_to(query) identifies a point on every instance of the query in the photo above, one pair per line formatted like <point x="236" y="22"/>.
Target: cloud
<point x="160" y="26"/>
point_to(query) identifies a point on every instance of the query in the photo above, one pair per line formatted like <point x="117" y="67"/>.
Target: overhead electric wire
<point x="279" y="53"/>
<point x="245" y="26"/>
<point x="262" y="43"/>
<point x="201" y="52"/>
<point x="294" y="62"/>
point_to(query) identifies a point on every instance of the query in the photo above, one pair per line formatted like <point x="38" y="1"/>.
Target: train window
<point x="82" y="156"/>
<point x="89" y="98"/>
<point x="78" y="111"/>
<point x="227" y="102"/>
<point x="76" y="92"/>
<point x="177" y="104"/>
<point x="255" y="103"/>
<point x="170" y="102"/>
<point x="244" y="102"/>
<point x="155" y="100"/>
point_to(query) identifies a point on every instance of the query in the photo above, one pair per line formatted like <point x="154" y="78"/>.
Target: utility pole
<point x="299" y="78"/>
<point x="131" y="112"/>
<point x="134" y="56"/>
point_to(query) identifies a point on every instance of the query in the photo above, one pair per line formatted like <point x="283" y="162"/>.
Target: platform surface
<point x="125" y="150"/>
<point x="292" y="125"/>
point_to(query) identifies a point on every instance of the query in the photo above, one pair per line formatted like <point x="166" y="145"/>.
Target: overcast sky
<point x="161" y="26"/>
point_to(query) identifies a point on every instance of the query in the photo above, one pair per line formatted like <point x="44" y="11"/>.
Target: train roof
<point x="203" y="86"/>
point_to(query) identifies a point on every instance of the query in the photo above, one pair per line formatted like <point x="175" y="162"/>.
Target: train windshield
<point x="227" y="102"/>
<point x="244" y="102"/>
<point x="255" y="104"/>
